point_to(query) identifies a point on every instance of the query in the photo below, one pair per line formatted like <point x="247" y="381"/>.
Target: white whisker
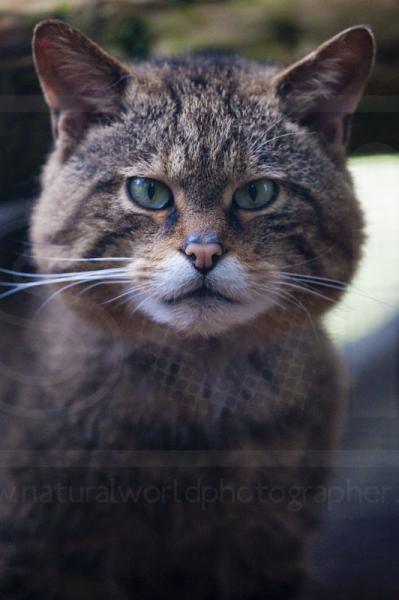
<point x="286" y="296"/>
<point x="303" y="262"/>
<point x="328" y="282"/>
<point x="305" y="289"/>
<point x="128" y="292"/>
<point x="56" y="293"/>
<point x="93" y="285"/>
<point x="74" y="284"/>
<point x="50" y="279"/>
<point x="68" y="274"/>
<point x="136" y="308"/>
<point x="76" y="259"/>
<point x="318" y="280"/>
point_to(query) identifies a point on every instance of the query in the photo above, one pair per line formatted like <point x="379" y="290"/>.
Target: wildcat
<point x="166" y="379"/>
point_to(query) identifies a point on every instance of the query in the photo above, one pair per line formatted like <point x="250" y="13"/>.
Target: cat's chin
<point x="202" y="317"/>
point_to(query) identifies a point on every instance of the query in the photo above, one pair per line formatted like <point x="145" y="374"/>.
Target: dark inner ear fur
<point x="82" y="84"/>
<point x="323" y="90"/>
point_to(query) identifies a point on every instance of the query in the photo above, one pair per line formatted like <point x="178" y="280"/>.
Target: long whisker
<point x="94" y="285"/>
<point x="56" y="293"/>
<point x="20" y="287"/>
<point x="136" y="308"/>
<point x="74" y="284"/>
<point x="261" y="268"/>
<point x="311" y="283"/>
<point x="260" y="290"/>
<point x="282" y="294"/>
<point x="84" y="260"/>
<point x="68" y="274"/>
<point x="128" y="292"/>
<point x="305" y="262"/>
<point x="306" y="289"/>
<point x="314" y="279"/>
<point x="49" y="279"/>
<point x="333" y="284"/>
<point x="286" y="296"/>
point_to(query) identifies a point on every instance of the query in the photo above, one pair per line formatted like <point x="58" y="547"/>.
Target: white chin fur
<point x="208" y="316"/>
<point x="197" y="317"/>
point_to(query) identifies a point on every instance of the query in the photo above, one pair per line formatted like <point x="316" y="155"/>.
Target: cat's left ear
<point x="80" y="81"/>
<point x="323" y="89"/>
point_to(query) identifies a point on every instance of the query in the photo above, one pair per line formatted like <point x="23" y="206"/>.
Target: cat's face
<point x="205" y="196"/>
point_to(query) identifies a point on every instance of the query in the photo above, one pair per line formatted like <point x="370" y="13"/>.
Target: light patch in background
<point x="373" y="297"/>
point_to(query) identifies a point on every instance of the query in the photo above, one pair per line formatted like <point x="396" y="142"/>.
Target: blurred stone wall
<point x="281" y="30"/>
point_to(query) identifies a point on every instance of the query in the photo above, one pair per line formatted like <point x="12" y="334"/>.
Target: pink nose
<point x="204" y="254"/>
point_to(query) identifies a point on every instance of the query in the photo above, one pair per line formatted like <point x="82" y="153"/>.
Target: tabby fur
<point x="220" y="417"/>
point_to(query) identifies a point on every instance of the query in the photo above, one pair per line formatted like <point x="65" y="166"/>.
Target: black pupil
<point x="253" y="192"/>
<point x="151" y="190"/>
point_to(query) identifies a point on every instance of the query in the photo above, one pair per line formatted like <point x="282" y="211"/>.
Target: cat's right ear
<point x="323" y="90"/>
<point x="81" y="82"/>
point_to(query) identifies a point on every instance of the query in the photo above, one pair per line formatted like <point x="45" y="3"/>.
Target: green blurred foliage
<point x="281" y="30"/>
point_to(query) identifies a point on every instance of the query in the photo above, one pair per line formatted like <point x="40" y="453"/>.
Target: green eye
<point x="256" y="194"/>
<point x="149" y="193"/>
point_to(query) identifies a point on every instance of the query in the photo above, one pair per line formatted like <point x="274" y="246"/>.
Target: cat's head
<point x="207" y="192"/>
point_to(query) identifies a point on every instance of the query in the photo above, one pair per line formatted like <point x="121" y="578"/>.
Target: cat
<point x="169" y="396"/>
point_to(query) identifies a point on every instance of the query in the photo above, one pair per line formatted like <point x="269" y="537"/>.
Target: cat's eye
<point x="256" y="194"/>
<point x="149" y="193"/>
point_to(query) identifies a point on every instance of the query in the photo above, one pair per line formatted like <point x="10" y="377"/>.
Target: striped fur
<point x="216" y="416"/>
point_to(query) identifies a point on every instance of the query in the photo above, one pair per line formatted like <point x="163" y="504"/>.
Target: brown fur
<point x="241" y="399"/>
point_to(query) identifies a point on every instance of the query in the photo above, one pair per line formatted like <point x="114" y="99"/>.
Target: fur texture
<point x="202" y="406"/>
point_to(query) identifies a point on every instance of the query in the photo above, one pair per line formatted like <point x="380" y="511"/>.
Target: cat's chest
<point x="168" y="396"/>
<point x="157" y="393"/>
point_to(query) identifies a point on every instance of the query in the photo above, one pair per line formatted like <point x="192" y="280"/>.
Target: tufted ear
<point x="81" y="82"/>
<point x="323" y="89"/>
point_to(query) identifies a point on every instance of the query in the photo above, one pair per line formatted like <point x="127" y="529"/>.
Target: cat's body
<point x="218" y="505"/>
<point x="187" y="438"/>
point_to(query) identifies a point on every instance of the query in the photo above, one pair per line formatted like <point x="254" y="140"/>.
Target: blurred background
<point x="356" y="557"/>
